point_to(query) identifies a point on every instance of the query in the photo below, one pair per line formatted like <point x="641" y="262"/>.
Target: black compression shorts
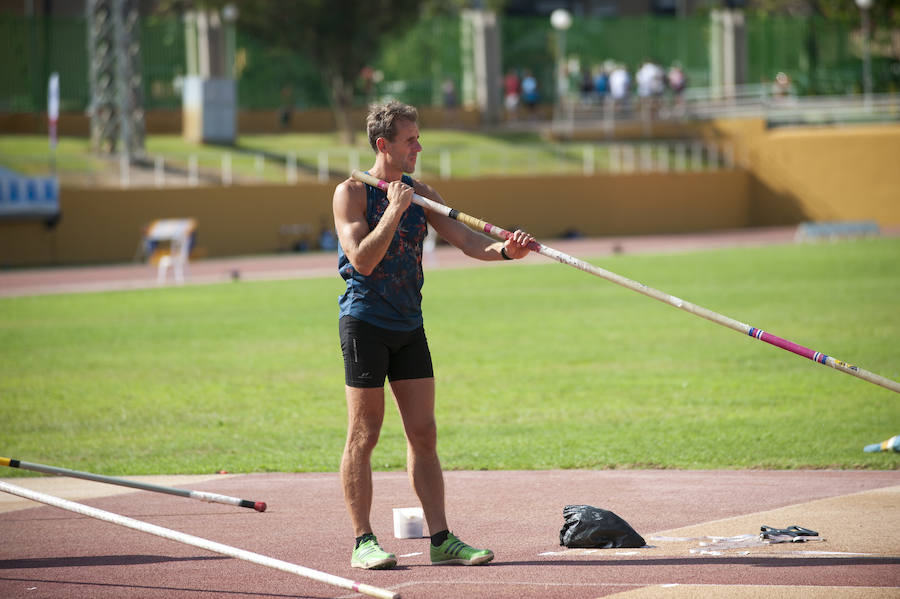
<point x="372" y="353"/>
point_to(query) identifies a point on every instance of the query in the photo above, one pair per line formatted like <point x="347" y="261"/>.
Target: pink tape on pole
<point x="788" y="345"/>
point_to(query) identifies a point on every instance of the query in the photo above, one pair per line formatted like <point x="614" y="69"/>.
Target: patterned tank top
<point x="390" y="297"/>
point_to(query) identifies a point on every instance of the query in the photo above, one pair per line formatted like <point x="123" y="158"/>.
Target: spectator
<point x="781" y="89"/>
<point x="511" y="92"/>
<point x="587" y="87"/>
<point x="530" y="94"/>
<point x="327" y="237"/>
<point x="619" y="87"/>
<point x="650" y="86"/>
<point x="601" y="81"/>
<point x="448" y="90"/>
<point x="451" y="102"/>
<point x="286" y="112"/>
<point x="367" y="82"/>
<point x="677" y="82"/>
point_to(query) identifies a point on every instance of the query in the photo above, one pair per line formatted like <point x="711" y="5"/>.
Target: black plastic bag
<point x="588" y="526"/>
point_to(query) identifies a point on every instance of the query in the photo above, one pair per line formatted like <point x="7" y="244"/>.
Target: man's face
<point x="403" y="151"/>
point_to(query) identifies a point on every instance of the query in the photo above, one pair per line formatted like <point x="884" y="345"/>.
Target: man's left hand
<point x="517" y="245"/>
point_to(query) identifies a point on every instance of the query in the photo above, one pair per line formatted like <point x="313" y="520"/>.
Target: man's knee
<point x="423" y="438"/>
<point x="362" y="441"/>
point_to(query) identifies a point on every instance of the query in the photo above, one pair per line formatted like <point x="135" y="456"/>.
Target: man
<point x="380" y="256"/>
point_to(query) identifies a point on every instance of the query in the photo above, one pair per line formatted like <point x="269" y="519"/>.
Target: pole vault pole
<point x="180" y="537"/>
<point x="480" y="225"/>
<point x="259" y="506"/>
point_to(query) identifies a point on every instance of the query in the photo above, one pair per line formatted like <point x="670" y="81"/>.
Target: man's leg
<point x="415" y="400"/>
<point x="365" y="414"/>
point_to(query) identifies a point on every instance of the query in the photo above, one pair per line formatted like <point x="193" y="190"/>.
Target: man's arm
<point x="472" y="243"/>
<point x="365" y="248"/>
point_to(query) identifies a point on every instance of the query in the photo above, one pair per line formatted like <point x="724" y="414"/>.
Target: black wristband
<point x="504" y="254"/>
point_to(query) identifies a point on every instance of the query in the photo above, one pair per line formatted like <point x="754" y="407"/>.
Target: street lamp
<point x="561" y="20"/>
<point x="864" y="6"/>
<point x="230" y="15"/>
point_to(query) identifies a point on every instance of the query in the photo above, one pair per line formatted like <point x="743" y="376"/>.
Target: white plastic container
<point x="408" y="522"/>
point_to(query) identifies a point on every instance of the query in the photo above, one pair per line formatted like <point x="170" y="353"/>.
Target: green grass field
<point x="538" y="366"/>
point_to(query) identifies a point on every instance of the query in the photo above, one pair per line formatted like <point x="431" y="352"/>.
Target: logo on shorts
<point x="365" y="375"/>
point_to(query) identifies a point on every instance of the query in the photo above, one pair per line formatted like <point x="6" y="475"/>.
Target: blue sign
<point x="28" y="197"/>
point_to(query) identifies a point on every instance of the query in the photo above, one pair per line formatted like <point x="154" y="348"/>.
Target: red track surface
<point x="285" y="266"/>
<point x="47" y="552"/>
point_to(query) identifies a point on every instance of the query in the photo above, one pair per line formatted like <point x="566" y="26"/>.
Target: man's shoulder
<point x="423" y="189"/>
<point x="349" y="188"/>
<point x="349" y="193"/>
<point x="350" y="184"/>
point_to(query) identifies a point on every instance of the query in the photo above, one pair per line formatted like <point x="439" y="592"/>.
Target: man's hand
<point x="399" y="195"/>
<point x="517" y="245"/>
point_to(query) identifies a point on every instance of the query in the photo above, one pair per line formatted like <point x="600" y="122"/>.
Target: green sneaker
<point x="454" y="551"/>
<point x="371" y="556"/>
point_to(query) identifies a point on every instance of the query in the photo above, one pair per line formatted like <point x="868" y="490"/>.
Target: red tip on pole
<point x="260" y="506"/>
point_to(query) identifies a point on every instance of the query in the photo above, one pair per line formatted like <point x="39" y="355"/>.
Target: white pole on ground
<point x="614" y="159"/>
<point x="180" y="537"/>
<point x="226" y="168"/>
<point x="628" y="159"/>
<point x="588" y="160"/>
<point x="259" y="506"/>
<point x="192" y="170"/>
<point x="646" y="158"/>
<point x="445" y="164"/>
<point x="662" y="158"/>
<point x="713" y="151"/>
<point x="124" y="170"/>
<point x="680" y="157"/>
<point x="696" y="156"/>
<point x="323" y="167"/>
<point x="159" y="171"/>
<point x="291" y="173"/>
<point x="259" y="163"/>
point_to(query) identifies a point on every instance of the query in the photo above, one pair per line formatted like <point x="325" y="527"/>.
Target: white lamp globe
<point x="230" y="13"/>
<point x="864" y="4"/>
<point x="562" y="19"/>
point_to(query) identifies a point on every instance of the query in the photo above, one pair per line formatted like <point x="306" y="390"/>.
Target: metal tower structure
<point x="117" y="101"/>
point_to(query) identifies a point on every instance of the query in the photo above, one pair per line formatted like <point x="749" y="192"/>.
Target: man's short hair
<point x="383" y="118"/>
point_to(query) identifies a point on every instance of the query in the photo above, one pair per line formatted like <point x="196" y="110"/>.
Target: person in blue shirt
<point x="380" y="237"/>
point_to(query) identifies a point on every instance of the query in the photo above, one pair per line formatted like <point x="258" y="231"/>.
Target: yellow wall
<point x="818" y="173"/>
<point x="104" y="225"/>
<point x="601" y="205"/>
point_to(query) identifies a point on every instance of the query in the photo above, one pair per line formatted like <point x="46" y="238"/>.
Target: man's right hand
<point x="399" y="195"/>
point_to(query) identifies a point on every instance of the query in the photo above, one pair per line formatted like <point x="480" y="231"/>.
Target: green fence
<point x="819" y="55"/>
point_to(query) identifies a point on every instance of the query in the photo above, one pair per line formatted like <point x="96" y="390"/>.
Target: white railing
<point x="435" y="164"/>
<point x="226" y="168"/>
<point x="741" y="101"/>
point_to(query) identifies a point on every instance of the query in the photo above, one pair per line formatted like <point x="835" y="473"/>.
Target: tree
<point x="884" y="11"/>
<point x="340" y="37"/>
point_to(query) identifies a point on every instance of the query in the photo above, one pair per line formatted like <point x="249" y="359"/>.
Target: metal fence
<point x="821" y="56"/>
